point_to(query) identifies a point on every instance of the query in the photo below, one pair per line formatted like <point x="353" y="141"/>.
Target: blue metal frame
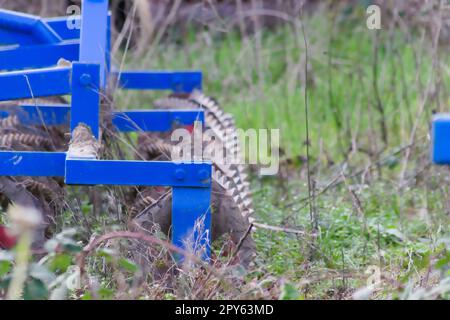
<point x="40" y="43"/>
<point x="137" y="173"/>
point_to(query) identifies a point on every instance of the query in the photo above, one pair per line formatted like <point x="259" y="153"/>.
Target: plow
<point x="58" y="119"/>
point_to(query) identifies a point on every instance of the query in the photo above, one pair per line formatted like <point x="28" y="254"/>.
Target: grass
<point x="398" y="241"/>
<point x="369" y="219"/>
<point x="340" y="89"/>
<point x="379" y="205"/>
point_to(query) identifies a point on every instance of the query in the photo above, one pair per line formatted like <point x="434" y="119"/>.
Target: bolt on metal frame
<point x="32" y="47"/>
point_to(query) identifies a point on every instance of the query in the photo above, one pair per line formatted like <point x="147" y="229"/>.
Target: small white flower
<point x="23" y="218"/>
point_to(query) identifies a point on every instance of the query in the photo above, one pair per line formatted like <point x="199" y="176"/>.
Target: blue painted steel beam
<point x="39" y="56"/>
<point x="124" y="121"/>
<point x="34" y="83"/>
<point x="7" y="38"/>
<point x="25" y="29"/>
<point x="155" y="120"/>
<point x="191" y="220"/>
<point x="94" y="35"/>
<point x="441" y="139"/>
<point x="180" y="81"/>
<point x="85" y="96"/>
<point x="137" y="173"/>
<point x="32" y="164"/>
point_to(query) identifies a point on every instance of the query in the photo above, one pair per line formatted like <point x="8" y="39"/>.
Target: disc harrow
<point x="47" y="143"/>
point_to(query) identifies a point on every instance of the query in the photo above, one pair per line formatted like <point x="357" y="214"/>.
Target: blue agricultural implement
<point x="41" y="58"/>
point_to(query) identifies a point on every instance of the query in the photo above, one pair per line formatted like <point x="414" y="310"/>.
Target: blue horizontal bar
<point x="32" y="164"/>
<point x="181" y="81"/>
<point x="52" y="115"/>
<point x="34" y="83"/>
<point x="20" y="28"/>
<point x="155" y="120"/>
<point x="137" y="173"/>
<point x="39" y="56"/>
<point x="128" y="121"/>
<point x="8" y="38"/>
<point x="441" y="139"/>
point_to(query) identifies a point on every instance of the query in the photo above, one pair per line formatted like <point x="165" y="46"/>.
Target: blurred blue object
<point x="441" y="139"/>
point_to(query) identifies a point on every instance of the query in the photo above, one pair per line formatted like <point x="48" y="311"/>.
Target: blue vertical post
<point x="86" y="96"/>
<point x="191" y="208"/>
<point x="94" y="35"/>
<point x="108" y="47"/>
